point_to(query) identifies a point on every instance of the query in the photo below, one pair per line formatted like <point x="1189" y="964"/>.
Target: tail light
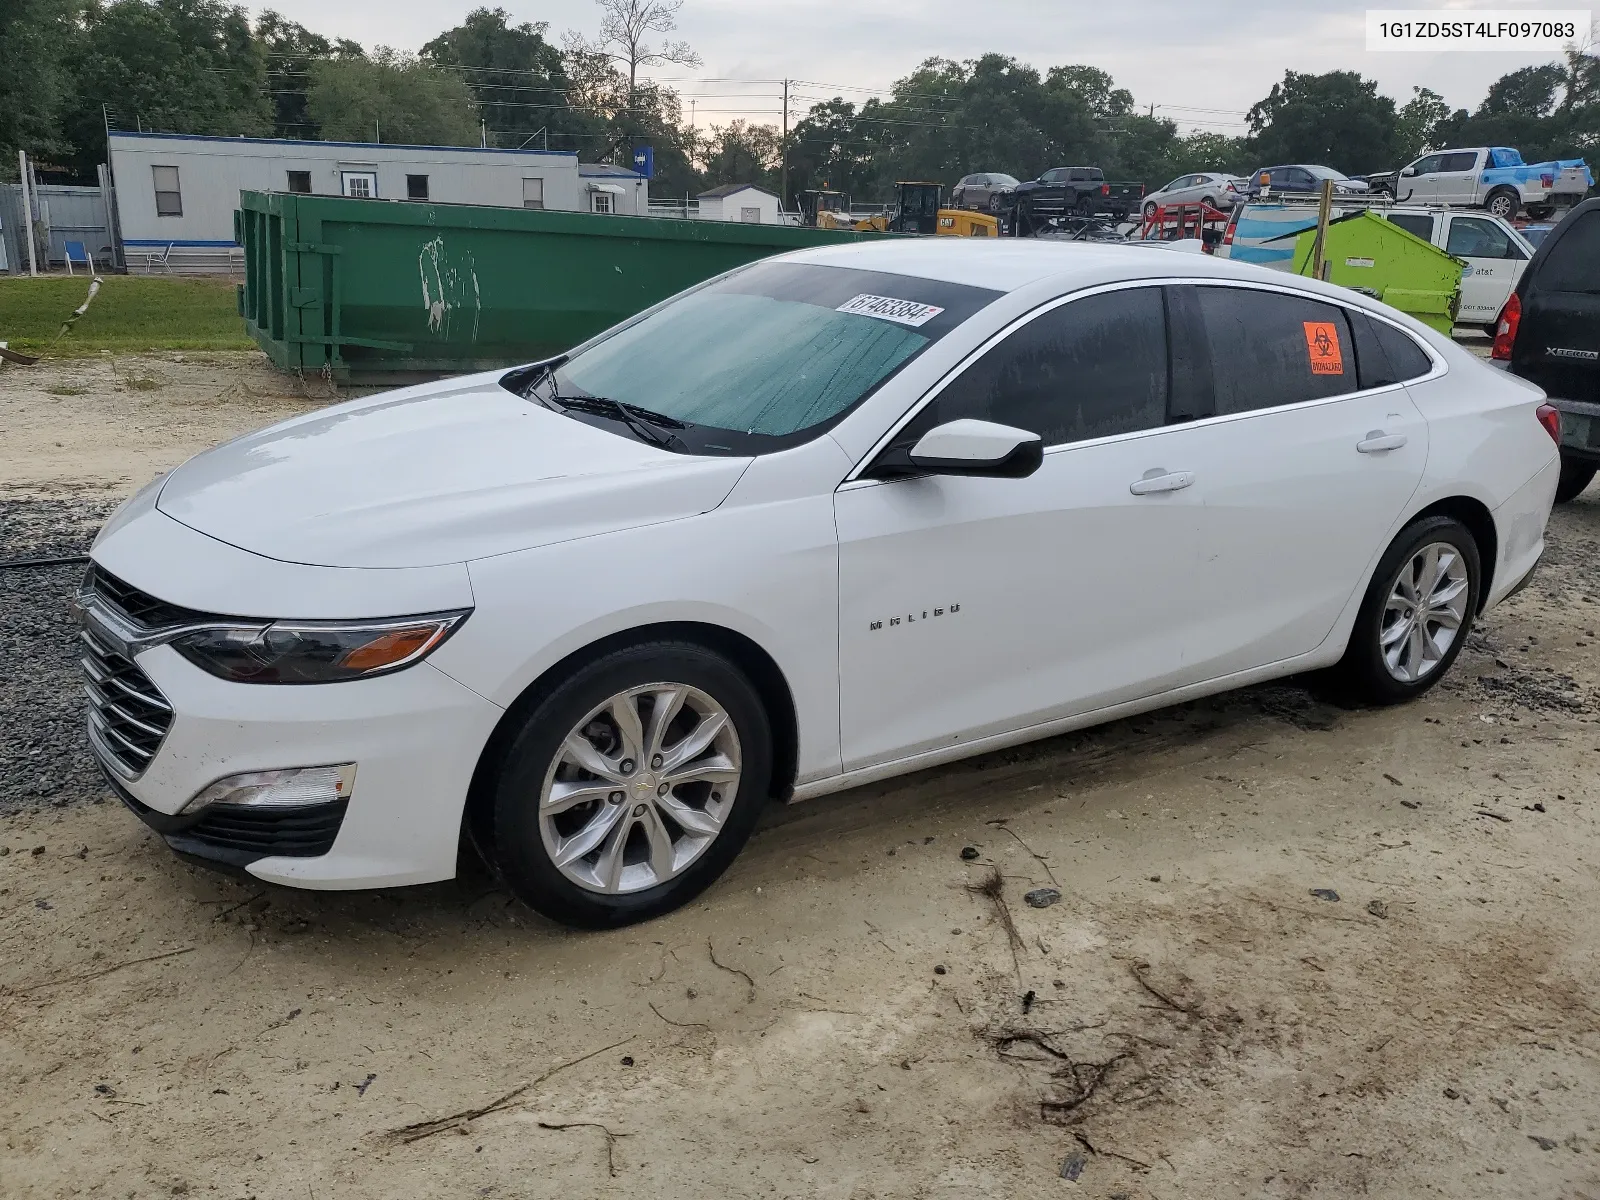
<point x="1231" y="188"/>
<point x="1505" y="333"/>
<point x="1105" y="189"/>
<point x="1227" y="232"/>
<point x="1550" y="417"/>
<point x="1549" y="181"/>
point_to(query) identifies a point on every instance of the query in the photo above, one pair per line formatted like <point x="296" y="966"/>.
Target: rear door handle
<point x="1378" y="441"/>
<point x="1161" y="480"/>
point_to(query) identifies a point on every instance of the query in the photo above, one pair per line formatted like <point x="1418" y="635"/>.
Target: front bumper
<point x="414" y="736"/>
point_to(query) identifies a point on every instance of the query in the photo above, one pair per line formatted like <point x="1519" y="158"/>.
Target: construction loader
<point x="917" y="210"/>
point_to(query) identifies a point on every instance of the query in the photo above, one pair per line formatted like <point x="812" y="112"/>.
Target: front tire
<point x="631" y="786"/>
<point x="1416" y="614"/>
<point x="1575" y="477"/>
<point x="1150" y="211"/>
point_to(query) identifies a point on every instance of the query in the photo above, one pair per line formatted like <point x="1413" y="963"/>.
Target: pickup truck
<point x="1549" y="334"/>
<point x="1064" y="191"/>
<point x="1494" y="178"/>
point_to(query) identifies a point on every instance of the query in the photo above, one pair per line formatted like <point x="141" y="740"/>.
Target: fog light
<point x="292" y="788"/>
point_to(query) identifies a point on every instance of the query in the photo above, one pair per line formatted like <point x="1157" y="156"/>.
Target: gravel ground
<point x="43" y="757"/>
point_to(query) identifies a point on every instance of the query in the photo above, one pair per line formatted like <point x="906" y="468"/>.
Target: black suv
<point x="1549" y="334"/>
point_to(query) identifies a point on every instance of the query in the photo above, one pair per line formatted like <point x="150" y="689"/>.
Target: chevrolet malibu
<point x="829" y="518"/>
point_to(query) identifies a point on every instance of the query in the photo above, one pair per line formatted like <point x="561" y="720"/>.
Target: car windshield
<point x="760" y="359"/>
<point x="1003" y="180"/>
<point x="1326" y="173"/>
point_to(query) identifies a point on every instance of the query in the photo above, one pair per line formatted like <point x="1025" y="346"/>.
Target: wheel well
<point x="748" y="655"/>
<point x="1476" y="517"/>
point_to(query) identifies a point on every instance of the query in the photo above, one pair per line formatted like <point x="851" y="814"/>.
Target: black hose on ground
<point x="65" y="560"/>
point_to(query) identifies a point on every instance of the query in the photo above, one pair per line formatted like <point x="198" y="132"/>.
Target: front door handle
<point x="1377" y="441"/>
<point x="1161" y="480"/>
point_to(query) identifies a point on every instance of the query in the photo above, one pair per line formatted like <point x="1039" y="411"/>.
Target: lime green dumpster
<point x="1382" y="260"/>
<point x="373" y="291"/>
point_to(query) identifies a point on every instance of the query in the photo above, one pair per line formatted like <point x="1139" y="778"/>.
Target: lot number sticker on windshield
<point x="1322" y="347"/>
<point x="887" y="308"/>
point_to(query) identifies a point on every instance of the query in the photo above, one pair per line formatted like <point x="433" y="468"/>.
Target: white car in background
<point x="1215" y="188"/>
<point x="826" y="519"/>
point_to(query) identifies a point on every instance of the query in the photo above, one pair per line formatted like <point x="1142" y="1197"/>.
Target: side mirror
<point x="1408" y="171"/>
<point x="969" y="447"/>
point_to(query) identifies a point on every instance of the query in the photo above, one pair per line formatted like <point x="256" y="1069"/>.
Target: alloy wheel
<point x="1425" y="612"/>
<point x="640" y="788"/>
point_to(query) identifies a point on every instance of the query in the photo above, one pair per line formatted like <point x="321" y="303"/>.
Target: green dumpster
<point x="1382" y="260"/>
<point x="374" y="291"/>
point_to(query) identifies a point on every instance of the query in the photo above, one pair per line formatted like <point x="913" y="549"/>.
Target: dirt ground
<point x="1299" y="952"/>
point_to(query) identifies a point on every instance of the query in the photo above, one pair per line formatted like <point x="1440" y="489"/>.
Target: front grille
<point x="139" y="607"/>
<point x="128" y="715"/>
<point x="304" y="832"/>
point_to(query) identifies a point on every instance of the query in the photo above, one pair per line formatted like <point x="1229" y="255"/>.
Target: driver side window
<point x="1090" y="368"/>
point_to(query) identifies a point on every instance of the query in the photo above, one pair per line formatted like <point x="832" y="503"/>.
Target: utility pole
<point x="783" y="188"/>
<point x="27" y="212"/>
<point x="483" y="127"/>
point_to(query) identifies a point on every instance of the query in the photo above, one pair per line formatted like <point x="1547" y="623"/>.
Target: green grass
<point x="131" y="313"/>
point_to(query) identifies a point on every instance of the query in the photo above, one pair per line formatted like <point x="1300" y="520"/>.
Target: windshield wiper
<point x="536" y="374"/>
<point x="649" y="426"/>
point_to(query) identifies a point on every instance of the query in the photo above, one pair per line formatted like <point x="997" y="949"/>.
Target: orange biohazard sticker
<point x="1322" y="347"/>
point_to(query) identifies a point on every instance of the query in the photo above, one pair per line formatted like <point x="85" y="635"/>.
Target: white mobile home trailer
<point x="176" y="193"/>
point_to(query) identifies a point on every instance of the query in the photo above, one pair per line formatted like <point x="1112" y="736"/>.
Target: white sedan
<point x="828" y="518"/>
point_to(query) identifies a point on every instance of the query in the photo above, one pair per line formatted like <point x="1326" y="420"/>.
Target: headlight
<point x="316" y="651"/>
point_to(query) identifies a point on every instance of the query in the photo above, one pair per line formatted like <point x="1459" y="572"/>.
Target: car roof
<point x="1009" y="264"/>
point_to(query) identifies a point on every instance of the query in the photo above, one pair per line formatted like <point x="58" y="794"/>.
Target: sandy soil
<point x="859" y="1009"/>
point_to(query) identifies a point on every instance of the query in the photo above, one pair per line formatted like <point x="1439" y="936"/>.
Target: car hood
<point x="435" y="474"/>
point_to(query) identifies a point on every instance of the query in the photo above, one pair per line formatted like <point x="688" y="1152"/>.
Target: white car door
<point x="973" y="606"/>
<point x="1455" y="180"/>
<point x="1421" y="183"/>
<point x="1495" y="261"/>
<point x="1311" y="458"/>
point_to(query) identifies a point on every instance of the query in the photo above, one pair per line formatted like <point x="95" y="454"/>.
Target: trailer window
<point x="416" y="187"/>
<point x="300" y="182"/>
<point x="169" y="199"/>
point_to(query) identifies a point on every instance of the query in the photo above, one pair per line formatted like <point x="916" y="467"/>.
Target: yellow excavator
<point x="917" y="210"/>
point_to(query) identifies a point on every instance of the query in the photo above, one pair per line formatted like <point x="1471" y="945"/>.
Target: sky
<point x="1202" y="63"/>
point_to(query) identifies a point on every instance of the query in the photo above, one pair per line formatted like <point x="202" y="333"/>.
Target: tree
<point x="182" y="66"/>
<point x="742" y="153"/>
<point x="390" y="97"/>
<point x="1417" y="121"/>
<point x="290" y="49"/>
<point x="38" y="41"/>
<point x="518" y="79"/>
<point x="1337" y="120"/>
<point x="827" y="149"/>
<point x="624" y="27"/>
<point x="1529" y="92"/>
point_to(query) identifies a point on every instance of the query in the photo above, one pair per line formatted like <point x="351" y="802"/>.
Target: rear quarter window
<point x="1384" y="354"/>
<point x="1573" y="264"/>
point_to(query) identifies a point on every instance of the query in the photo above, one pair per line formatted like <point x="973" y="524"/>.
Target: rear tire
<point x="1502" y="203"/>
<point x="1403" y="642"/>
<point x="663" y="842"/>
<point x="1575" y="477"/>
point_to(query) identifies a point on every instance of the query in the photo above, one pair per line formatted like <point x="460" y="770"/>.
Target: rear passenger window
<point x="1269" y="348"/>
<point x="1090" y="368"/>
<point x="1573" y="264"/>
